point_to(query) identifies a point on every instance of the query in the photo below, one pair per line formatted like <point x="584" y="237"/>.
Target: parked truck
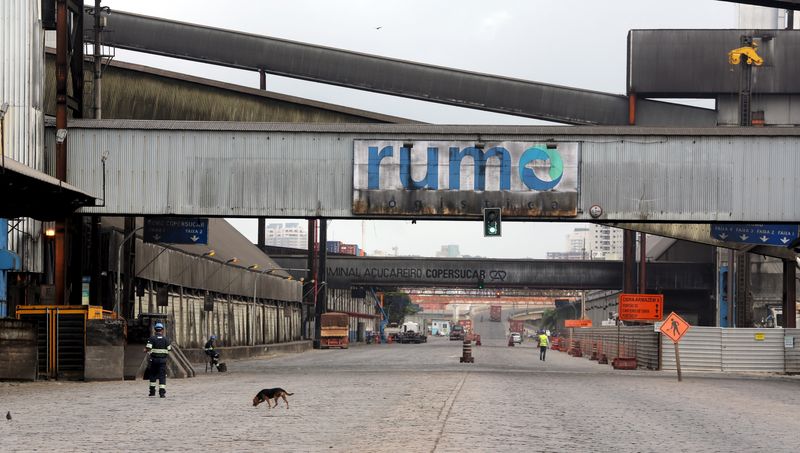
<point x="334" y="330"/>
<point x="410" y="333"/>
<point x="457" y="332"/>
<point x="495" y="313"/>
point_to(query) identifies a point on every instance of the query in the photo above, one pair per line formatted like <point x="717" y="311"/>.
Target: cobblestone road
<point x="412" y="398"/>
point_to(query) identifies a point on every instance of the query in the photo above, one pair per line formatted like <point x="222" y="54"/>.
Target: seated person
<point x="210" y="351"/>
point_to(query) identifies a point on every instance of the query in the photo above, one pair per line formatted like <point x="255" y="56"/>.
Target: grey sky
<point x="572" y="43"/>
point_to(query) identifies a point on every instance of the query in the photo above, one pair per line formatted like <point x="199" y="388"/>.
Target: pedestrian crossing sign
<point x="674" y="327"/>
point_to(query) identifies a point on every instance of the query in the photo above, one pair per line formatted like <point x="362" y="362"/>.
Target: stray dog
<point x="271" y="394"/>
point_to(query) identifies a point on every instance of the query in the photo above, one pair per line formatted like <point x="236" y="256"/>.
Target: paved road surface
<point x="412" y="398"/>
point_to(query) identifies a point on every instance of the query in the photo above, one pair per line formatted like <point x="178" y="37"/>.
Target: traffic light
<point x="481" y="283"/>
<point x="491" y="222"/>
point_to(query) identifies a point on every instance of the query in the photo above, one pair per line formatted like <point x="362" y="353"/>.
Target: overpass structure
<point x="347" y="271"/>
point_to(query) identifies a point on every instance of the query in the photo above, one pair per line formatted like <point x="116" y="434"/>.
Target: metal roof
<point x="264" y="95"/>
<point x="27" y="192"/>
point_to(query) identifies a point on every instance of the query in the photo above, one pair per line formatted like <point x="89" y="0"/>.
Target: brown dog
<point x="271" y="394"/>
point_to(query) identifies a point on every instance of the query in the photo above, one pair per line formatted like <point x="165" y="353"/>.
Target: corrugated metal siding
<point x="21" y="85"/>
<point x="342" y="300"/>
<point x="791" y="356"/>
<point x="700" y="349"/>
<point x="630" y="341"/>
<point x="303" y="171"/>
<point x="190" y="326"/>
<point x="718" y="349"/>
<point x="742" y="352"/>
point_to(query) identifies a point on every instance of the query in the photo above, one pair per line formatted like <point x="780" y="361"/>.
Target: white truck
<point x="411" y="333"/>
<point x="774" y="317"/>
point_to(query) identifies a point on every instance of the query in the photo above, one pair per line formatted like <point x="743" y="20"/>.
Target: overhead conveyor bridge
<point x="379" y="74"/>
<point x="633" y="174"/>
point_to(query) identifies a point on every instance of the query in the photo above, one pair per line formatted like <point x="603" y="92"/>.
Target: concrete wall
<point x="105" y="350"/>
<point x="18" y="354"/>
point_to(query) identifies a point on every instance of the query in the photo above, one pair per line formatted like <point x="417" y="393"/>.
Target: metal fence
<point x="723" y="349"/>
<point x="640" y="342"/>
<point x="791" y="351"/>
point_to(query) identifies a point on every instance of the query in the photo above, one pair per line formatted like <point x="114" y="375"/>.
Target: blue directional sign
<point x="782" y="235"/>
<point x="176" y="230"/>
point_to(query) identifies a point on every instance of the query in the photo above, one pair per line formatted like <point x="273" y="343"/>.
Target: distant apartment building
<point x="578" y="241"/>
<point x="292" y="235"/>
<point x="572" y="256"/>
<point x="605" y="242"/>
<point x="449" y="251"/>
<point x="595" y="242"/>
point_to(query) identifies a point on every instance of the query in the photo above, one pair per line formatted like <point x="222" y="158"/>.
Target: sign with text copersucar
<point x="460" y="178"/>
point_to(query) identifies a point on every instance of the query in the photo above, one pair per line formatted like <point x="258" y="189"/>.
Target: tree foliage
<point x="397" y="305"/>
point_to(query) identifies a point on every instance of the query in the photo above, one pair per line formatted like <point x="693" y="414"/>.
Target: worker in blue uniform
<point x="159" y="347"/>
<point x="211" y="352"/>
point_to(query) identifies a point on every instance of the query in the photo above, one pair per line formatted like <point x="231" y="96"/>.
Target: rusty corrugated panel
<point x="190" y="326"/>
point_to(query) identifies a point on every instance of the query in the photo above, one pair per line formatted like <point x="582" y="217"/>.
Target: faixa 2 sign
<point x="441" y="178"/>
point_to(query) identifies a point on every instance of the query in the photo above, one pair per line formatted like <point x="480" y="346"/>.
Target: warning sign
<point x="641" y="307"/>
<point x="578" y="323"/>
<point x="674" y="327"/>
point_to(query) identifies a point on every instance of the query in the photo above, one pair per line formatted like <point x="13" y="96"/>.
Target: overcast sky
<point x="572" y="43"/>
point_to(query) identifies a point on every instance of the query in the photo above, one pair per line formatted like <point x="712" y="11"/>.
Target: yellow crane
<point x="735" y="55"/>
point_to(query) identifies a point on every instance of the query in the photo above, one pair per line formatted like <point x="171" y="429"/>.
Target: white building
<point x="292" y="235"/>
<point x="596" y="242"/>
<point x="578" y="242"/>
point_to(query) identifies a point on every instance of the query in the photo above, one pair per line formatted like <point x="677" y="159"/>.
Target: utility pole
<point x="94" y="246"/>
<point x="98" y="62"/>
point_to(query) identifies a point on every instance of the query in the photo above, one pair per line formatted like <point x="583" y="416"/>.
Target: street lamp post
<point x="119" y="267"/>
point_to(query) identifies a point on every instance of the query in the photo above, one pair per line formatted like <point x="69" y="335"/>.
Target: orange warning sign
<point x="674" y="327"/>
<point x="641" y="307"/>
<point x="578" y="323"/>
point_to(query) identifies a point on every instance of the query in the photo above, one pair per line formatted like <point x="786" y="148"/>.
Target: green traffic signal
<point x="491" y="222"/>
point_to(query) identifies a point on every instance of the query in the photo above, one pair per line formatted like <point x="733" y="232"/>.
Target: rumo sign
<point x="442" y="178"/>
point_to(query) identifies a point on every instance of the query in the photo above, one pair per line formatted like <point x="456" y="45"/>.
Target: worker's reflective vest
<point x="158" y="346"/>
<point x="542" y="340"/>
